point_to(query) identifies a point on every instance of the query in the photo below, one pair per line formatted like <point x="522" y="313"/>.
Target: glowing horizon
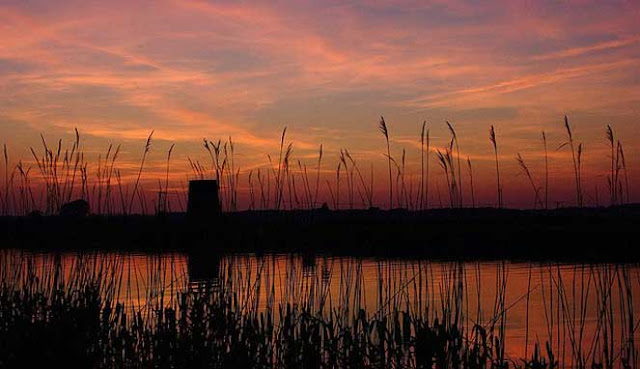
<point x="194" y="69"/>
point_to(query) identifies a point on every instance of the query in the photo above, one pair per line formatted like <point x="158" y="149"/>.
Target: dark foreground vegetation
<point x="585" y="234"/>
<point x="74" y="318"/>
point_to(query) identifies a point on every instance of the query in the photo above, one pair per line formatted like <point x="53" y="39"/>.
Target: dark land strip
<point x="570" y="234"/>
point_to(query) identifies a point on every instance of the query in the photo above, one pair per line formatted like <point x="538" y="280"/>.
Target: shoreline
<point x="568" y="234"/>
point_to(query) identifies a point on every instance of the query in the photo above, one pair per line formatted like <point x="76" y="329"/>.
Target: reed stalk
<point x="444" y="164"/>
<point x="492" y="138"/>
<point x="385" y="132"/>
<point x="454" y="140"/>
<point x="252" y="203"/>
<point x="421" y="193"/>
<point x="147" y="148"/>
<point x="612" y="178"/>
<point x="337" y="206"/>
<point x="368" y="192"/>
<point x="623" y="164"/>
<point x="315" y="196"/>
<point x="546" y="171"/>
<point x="576" y="161"/>
<point x="165" y="206"/>
<point x="278" y="183"/>
<point x="426" y="195"/>
<point x="6" y="180"/>
<point x="527" y="172"/>
<point x="473" y="195"/>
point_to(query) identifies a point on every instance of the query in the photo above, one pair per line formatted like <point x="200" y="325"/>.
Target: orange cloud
<point x="194" y="69"/>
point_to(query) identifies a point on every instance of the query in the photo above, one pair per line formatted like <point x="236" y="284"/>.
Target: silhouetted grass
<point x="576" y="157"/>
<point x="423" y="195"/>
<point x="492" y="138"/>
<point x="546" y="171"/>
<point x="385" y="132"/>
<point x="527" y="172"/>
<point x="79" y="316"/>
<point x="147" y="148"/>
<point x="281" y="185"/>
<point x="473" y="192"/>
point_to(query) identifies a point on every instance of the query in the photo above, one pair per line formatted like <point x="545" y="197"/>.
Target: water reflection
<point x="580" y="310"/>
<point x="203" y="273"/>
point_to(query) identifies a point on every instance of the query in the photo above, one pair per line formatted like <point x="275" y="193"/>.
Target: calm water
<point x="565" y="304"/>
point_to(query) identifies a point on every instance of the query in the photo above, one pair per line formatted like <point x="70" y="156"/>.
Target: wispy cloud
<point x="578" y="51"/>
<point x="195" y="68"/>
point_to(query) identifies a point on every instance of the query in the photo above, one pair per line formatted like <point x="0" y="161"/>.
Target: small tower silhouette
<point x="204" y="201"/>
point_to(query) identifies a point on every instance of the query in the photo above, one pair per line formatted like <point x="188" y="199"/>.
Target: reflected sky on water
<point x="558" y="303"/>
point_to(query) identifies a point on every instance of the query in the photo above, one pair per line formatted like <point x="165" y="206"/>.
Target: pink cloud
<point x="190" y="69"/>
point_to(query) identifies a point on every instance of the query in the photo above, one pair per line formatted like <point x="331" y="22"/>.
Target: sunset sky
<point x="327" y="70"/>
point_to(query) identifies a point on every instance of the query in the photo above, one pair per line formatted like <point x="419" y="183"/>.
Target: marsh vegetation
<point x="57" y="174"/>
<point x="120" y="310"/>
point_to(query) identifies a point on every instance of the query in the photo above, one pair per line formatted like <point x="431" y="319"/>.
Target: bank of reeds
<point x="276" y="313"/>
<point x="57" y="175"/>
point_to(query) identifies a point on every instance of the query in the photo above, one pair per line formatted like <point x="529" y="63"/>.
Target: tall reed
<point x="337" y="204"/>
<point x="445" y="161"/>
<point x="492" y="138"/>
<point x="147" y="148"/>
<point x="623" y="164"/>
<point x="618" y="168"/>
<point x="576" y="161"/>
<point x="454" y="140"/>
<point x="367" y="190"/>
<point x="6" y="205"/>
<point x="527" y="172"/>
<point x="315" y="195"/>
<point x="279" y="190"/>
<point x="385" y="132"/>
<point x="423" y="197"/>
<point x="165" y="204"/>
<point x="546" y="171"/>
<point x="612" y="178"/>
<point x="473" y="195"/>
